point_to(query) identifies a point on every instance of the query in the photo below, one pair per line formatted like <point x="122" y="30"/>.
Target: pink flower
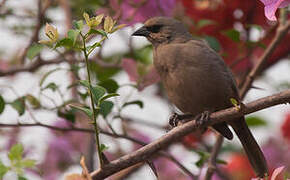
<point x="133" y="11"/>
<point x="271" y="7"/>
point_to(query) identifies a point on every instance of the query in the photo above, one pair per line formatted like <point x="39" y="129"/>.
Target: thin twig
<point x="175" y="134"/>
<point x="281" y="32"/>
<point x="115" y="135"/>
<point x="212" y="160"/>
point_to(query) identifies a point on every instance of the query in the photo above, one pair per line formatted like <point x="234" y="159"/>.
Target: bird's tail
<point x="251" y="147"/>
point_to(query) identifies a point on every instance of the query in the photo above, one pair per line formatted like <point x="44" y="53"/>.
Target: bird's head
<point x="159" y="30"/>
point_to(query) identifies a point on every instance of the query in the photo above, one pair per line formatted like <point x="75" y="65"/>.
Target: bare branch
<point x="175" y="134"/>
<point x="212" y="160"/>
<point x="281" y="32"/>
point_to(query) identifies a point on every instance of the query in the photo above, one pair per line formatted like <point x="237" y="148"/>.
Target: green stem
<point x="101" y="163"/>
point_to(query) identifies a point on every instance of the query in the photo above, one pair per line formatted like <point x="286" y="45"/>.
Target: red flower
<point x="239" y="167"/>
<point x="285" y="128"/>
<point x="226" y="15"/>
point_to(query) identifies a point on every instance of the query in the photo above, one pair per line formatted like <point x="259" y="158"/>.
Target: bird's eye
<point x="154" y="28"/>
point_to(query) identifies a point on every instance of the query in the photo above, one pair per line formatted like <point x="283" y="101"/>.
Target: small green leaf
<point x="34" y="50"/>
<point x="51" y="86"/>
<point x="85" y="110"/>
<point x="103" y="147"/>
<point x="98" y="92"/>
<point x="73" y="35"/>
<point x="255" y="121"/>
<point x="19" y="105"/>
<point x="3" y="169"/>
<point x="47" y="74"/>
<point x="2" y="104"/>
<point x="15" y="152"/>
<point x="22" y="178"/>
<point x="98" y="31"/>
<point x="233" y="35"/>
<point x="106" y="107"/>
<point x="220" y="161"/>
<point x="213" y="43"/>
<point x="68" y="115"/>
<point x="108" y="96"/>
<point x="78" y="24"/>
<point x="92" y="47"/>
<point x="203" y="157"/>
<point x="27" y="163"/>
<point x="33" y="101"/>
<point x="110" y="85"/>
<point x="234" y="102"/>
<point x="85" y="83"/>
<point x="137" y="102"/>
<point x="204" y="22"/>
<point x="65" y="42"/>
<point x="83" y="95"/>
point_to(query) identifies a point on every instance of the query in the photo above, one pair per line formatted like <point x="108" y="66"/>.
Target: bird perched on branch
<point x="197" y="80"/>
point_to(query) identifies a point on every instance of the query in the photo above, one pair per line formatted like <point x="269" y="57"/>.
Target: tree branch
<point x="281" y="32"/>
<point x="84" y="130"/>
<point x="213" y="156"/>
<point x="175" y="134"/>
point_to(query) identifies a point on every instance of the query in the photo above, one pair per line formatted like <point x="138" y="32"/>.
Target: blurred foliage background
<point x="43" y="137"/>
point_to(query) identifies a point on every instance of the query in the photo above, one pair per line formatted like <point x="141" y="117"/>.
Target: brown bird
<point x="197" y="80"/>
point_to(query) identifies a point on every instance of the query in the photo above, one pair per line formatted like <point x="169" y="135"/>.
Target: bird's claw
<point x="175" y="119"/>
<point x="202" y="118"/>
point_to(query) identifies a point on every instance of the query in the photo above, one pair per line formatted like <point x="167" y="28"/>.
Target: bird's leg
<point x="179" y="118"/>
<point x="202" y="119"/>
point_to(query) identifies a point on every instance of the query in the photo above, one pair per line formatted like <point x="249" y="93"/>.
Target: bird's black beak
<point x="143" y="31"/>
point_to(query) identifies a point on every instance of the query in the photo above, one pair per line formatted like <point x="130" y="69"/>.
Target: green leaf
<point x="213" y="43"/>
<point x="98" y="92"/>
<point x="51" y="86"/>
<point x="78" y="24"/>
<point x="65" y="42"/>
<point x="102" y="73"/>
<point x="85" y="83"/>
<point x="233" y="35"/>
<point x="103" y="147"/>
<point x="234" y="101"/>
<point x="34" y="50"/>
<point x="137" y="102"/>
<point x="47" y="74"/>
<point x="3" y="169"/>
<point x="106" y="107"/>
<point x="15" y="153"/>
<point x="220" y="161"/>
<point x="67" y="115"/>
<point x="22" y="178"/>
<point x="85" y="110"/>
<point x="33" y="101"/>
<point x="144" y="55"/>
<point x="108" y="96"/>
<point x="255" y="121"/>
<point x="27" y="163"/>
<point x="98" y="31"/>
<point x="92" y="47"/>
<point x="2" y="104"/>
<point x="110" y="85"/>
<point x="19" y="105"/>
<point x="204" y="22"/>
<point x="203" y="157"/>
<point x="83" y="95"/>
<point x="73" y="35"/>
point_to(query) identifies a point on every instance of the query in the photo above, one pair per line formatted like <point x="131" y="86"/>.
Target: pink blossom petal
<point x="276" y="172"/>
<point x="130" y="66"/>
<point x="271" y="7"/>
